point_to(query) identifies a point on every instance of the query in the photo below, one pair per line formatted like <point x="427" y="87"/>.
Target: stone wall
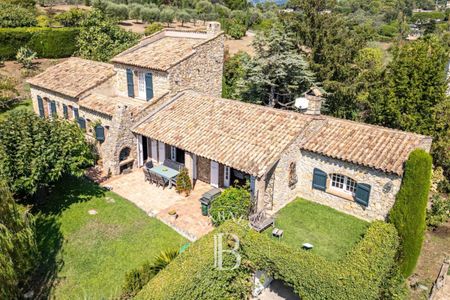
<point x="52" y="96"/>
<point x="381" y="197"/>
<point x="160" y="80"/>
<point x="202" y="71"/>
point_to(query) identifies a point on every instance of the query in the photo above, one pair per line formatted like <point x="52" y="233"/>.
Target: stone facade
<point x="52" y="96"/>
<point x="276" y="185"/>
<point x="202" y="71"/>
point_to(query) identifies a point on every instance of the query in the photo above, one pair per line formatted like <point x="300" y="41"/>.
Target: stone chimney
<point x="315" y="99"/>
<point x="212" y="28"/>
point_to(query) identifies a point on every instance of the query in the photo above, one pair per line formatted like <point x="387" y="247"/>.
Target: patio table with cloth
<point x="165" y="172"/>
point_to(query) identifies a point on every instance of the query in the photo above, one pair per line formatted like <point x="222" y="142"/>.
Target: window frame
<point x="343" y="183"/>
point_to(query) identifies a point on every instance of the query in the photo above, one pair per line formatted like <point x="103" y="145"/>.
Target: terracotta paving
<point x="157" y="202"/>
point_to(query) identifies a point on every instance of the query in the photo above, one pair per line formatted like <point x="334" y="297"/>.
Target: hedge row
<point x="47" y="42"/>
<point x="409" y="211"/>
<point x="363" y="274"/>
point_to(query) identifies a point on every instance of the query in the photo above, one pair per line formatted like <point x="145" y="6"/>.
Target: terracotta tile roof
<point x="372" y="146"/>
<point x="251" y="138"/>
<point x="160" y="54"/>
<point x="73" y="76"/>
<point x="243" y="136"/>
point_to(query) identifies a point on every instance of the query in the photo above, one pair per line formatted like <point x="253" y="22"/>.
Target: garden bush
<point x="153" y="28"/>
<point x="46" y="42"/>
<point x="233" y="203"/>
<point x="365" y="273"/>
<point x="149" y="14"/>
<point x="72" y="17"/>
<point x="117" y="11"/>
<point x="16" y="16"/>
<point x="409" y="211"/>
<point x="184" y="182"/>
<point x="236" y="30"/>
<point x="439" y="212"/>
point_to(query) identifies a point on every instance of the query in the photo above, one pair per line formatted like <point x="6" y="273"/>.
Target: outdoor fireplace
<point x="125" y="163"/>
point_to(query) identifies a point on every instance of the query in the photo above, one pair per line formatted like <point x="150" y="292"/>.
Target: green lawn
<point x="331" y="232"/>
<point x="86" y="256"/>
<point x="22" y="105"/>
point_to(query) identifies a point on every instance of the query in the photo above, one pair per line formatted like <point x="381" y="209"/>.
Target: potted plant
<point x="173" y="214"/>
<point x="184" y="184"/>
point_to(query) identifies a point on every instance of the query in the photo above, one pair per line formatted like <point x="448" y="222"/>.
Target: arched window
<point x="343" y="183"/>
<point x="124" y="154"/>
<point x="292" y="174"/>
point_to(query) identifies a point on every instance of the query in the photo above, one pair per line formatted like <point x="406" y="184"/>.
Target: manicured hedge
<point x="409" y="211"/>
<point x="47" y="42"/>
<point x="362" y="274"/>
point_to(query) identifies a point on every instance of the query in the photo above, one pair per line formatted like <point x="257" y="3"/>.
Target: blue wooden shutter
<point x="100" y="133"/>
<point x="362" y="194"/>
<point x="53" y="108"/>
<point x="82" y="123"/>
<point x="319" y="180"/>
<point x="76" y="114"/>
<point x="41" y="106"/>
<point x="65" y="112"/>
<point x="130" y="83"/>
<point x="149" y="86"/>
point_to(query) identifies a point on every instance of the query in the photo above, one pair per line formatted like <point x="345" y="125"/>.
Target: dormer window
<point x="343" y="183"/>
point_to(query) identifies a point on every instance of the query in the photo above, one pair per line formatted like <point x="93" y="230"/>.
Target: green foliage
<point x="150" y="14"/>
<point x="167" y="15"/>
<point x="21" y="3"/>
<point x="183" y="16"/>
<point x="233" y="203"/>
<point x="100" y="39"/>
<point x="18" y="251"/>
<point x="16" y="16"/>
<point x="72" y="17"/>
<point x="233" y="71"/>
<point x="235" y="29"/>
<point x="46" y="42"/>
<point x="35" y="152"/>
<point x="136" y="279"/>
<point x="362" y="274"/>
<point x="409" y="211"/>
<point x="204" y="9"/>
<point x="135" y="11"/>
<point x="422" y="17"/>
<point x="8" y="92"/>
<point x="117" y="11"/>
<point x="184" y="184"/>
<point x="439" y="212"/>
<point x="278" y="73"/>
<point x="153" y="28"/>
<point x="25" y="57"/>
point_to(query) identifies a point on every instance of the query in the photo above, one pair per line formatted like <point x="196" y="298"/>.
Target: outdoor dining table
<point x="165" y="172"/>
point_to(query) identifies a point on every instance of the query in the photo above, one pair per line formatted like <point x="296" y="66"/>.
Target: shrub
<point x="135" y="11"/>
<point x="183" y="16"/>
<point x="153" y="28"/>
<point x="149" y="14"/>
<point x="235" y="30"/>
<point x="184" y="182"/>
<point x="234" y="202"/>
<point x="117" y="11"/>
<point x="363" y="274"/>
<point x="167" y="15"/>
<point x="409" y="211"/>
<point x="25" y="57"/>
<point x="16" y="16"/>
<point x="8" y="92"/>
<point x="72" y="17"/>
<point x="439" y="212"/>
<point x="43" y="21"/>
<point x="47" y="42"/>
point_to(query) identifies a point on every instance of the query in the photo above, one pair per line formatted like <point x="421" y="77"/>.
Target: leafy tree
<point x="135" y="11"/>
<point x="278" y="73"/>
<point x="150" y="14"/>
<point x="167" y="15"/>
<point x="117" y="11"/>
<point x="237" y="4"/>
<point x="234" y="29"/>
<point x="35" y="152"/>
<point x="222" y="11"/>
<point x="18" y="250"/>
<point x="233" y="72"/>
<point x="234" y="202"/>
<point x="183" y="16"/>
<point x="72" y="17"/>
<point x="204" y="9"/>
<point x="409" y="211"/>
<point x="101" y="39"/>
<point x="16" y="16"/>
<point x="8" y="92"/>
<point x="22" y="3"/>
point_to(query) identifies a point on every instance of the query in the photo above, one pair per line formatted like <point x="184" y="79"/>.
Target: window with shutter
<point x="319" y="180"/>
<point x="82" y="123"/>
<point x="41" y="106"/>
<point x="149" y="86"/>
<point x="100" y="133"/>
<point x="76" y="115"/>
<point x="65" y="111"/>
<point x="130" y="83"/>
<point x="362" y="194"/>
<point x="53" y="108"/>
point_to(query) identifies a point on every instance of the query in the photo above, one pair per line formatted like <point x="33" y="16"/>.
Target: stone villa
<point x="161" y="100"/>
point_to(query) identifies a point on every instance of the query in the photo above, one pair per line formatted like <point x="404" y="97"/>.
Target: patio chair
<point x="173" y="181"/>
<point x="149" y="165"/>
<point x="147" y="175"/>
<point x="160" y="181"/>
<point x="173" y="164"/>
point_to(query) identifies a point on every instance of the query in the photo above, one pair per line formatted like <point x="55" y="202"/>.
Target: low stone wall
<point x="383" y="186"/>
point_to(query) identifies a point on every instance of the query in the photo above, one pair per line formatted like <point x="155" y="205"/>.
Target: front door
<point x="203" y="169"/>
<point x="214" y="173"/>
<point x="144" y="148"/>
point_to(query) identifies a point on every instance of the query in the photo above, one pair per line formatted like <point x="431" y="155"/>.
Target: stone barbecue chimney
<point x="315" y="99"/>
<point x="212" y="28"/>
